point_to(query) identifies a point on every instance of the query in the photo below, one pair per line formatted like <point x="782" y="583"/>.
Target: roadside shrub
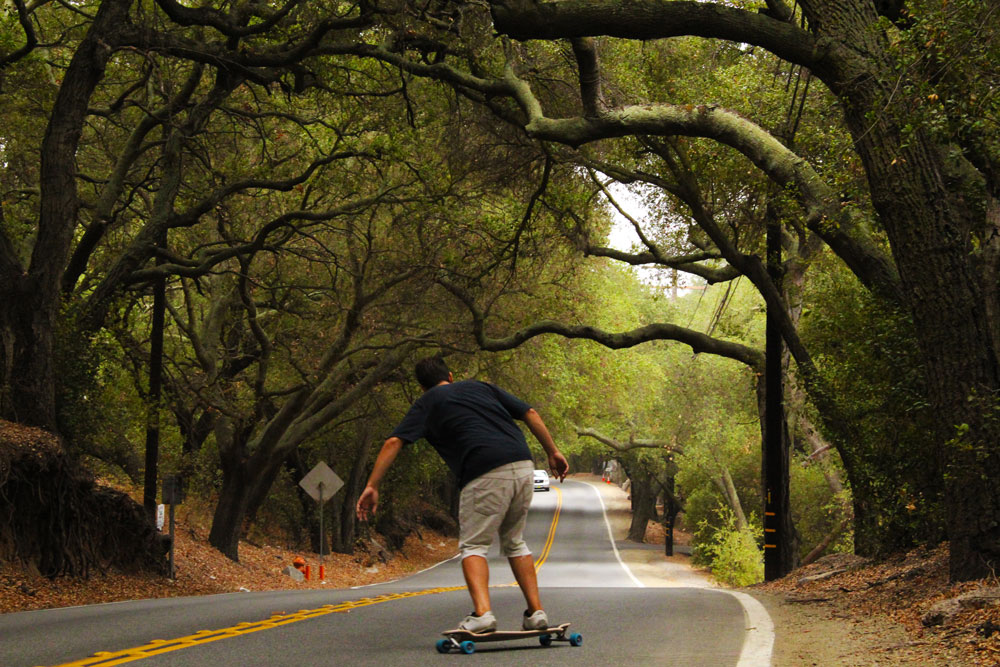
<point x="733" y="554"/>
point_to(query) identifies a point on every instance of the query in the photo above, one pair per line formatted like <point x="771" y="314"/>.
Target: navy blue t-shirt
<point x="470" y="424"/>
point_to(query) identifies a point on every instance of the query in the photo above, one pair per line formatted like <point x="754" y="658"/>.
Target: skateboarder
<point x="471" y="425"/>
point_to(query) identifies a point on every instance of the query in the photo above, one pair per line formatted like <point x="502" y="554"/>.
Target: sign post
<point x="173" y="493"/>
<point x="321" y="483"/>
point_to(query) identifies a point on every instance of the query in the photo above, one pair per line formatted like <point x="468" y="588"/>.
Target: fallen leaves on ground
<point x="202" y="570"/>
<point x="901" y="589"/>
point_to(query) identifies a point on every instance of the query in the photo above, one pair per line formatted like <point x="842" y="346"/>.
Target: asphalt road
<point x="397" y="623"/>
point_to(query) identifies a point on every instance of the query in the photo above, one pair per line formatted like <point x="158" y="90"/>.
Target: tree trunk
<point x="237" y="475"/>
<point x="725" y="484"/>
<point x="939" y="225"/>
<point x="352" y="490"/>
<point x="194" y="431"/>
<point x="643" y="505"/>
<point x="818" y="550"/>
<point x="227" y="522"/>
<point x="670" y="511"/>
<point x="260" y="485"/>
<point x="27" y="326"/>
<point x="933" y="233"/>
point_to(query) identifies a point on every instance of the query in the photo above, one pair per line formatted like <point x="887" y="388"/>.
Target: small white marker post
<point x="321" y="483"/>
<point x="322" y="531"/>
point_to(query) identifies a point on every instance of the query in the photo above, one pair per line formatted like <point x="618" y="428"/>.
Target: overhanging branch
<point x="653" y="19"/>
<point x="697" y="341"/>
<point x="633" y="443"/>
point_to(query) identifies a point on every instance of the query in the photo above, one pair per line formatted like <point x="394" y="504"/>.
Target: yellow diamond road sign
<point x="321" y="482"/>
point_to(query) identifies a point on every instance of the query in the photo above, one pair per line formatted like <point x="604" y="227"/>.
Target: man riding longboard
<point x="471" y="425"/>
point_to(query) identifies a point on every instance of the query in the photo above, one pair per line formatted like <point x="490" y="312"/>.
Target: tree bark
<point x="642" y="489"/>
<point x="670" y="511"/>
<point x="352" y="490"/>
<point x="931" y="205"/>
<point x="30" y="309"/>
<point x="230" y="511"/>
<point x="724" y="482"/>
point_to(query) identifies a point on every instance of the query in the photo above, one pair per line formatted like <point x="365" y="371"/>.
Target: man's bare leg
<point x="477" y="578"/>
<point x="523" y="568"/>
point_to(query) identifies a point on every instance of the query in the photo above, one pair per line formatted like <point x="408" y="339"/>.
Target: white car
<point x="541" y="480"/>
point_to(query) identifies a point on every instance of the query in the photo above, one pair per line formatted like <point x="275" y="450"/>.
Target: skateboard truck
<point x="465" y="641"/>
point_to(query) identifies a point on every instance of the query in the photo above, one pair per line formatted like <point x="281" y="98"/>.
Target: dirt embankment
<point x="202" y="570"/>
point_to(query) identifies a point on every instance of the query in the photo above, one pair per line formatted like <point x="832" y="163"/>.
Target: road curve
<point x="397" y="623"/>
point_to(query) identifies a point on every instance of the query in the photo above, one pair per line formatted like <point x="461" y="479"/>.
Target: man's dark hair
<point x="431" y="372"/>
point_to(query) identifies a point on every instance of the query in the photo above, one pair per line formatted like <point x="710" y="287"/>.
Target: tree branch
<point x="840" y="227"/>
<point x="633" y="443"/>
<point x="206" y="262"/>
<point x="588" y="66"/>
<point x="133" y="149"/>
<point x="777" y="9"/>
<point x="653" y="19"/>
<point x="192" y="215"/>
<point x="696" y="340"/>
<point x="229" y="25"/>
<point x="30" y="38"/>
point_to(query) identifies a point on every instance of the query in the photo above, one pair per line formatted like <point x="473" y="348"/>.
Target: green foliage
<point x="867" y="353"/>
<point x="733" y="554"/>
<point x="954" y="48"/>
<point x="969" y="448"/>
<point x="99" y="412"/>
<point x="282" y="515"/>
<point x="816" y="510"/>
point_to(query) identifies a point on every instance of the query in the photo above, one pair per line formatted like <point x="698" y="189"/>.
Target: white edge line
<point x="611" y="537"/>
<point x="383" y="583"/>
<point x="758" y="643"/>
<point x="759" y="640"/>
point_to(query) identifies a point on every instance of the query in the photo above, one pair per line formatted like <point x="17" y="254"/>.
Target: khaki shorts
<point x="496" y="502"/>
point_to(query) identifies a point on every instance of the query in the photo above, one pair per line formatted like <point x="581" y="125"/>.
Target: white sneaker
<point x="536" y="621"/>
<point x="485" y="623"/>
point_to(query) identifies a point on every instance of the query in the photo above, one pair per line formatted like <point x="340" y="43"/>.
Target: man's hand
<point x="558" y="465"/>
<point x="367" y="503"/>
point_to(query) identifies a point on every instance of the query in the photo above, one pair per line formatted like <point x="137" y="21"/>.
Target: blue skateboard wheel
<point x="443" y="645"/>
<point x="468" y="647"/>
<point x="576" y="639"/>
<point x="545" y="640"/>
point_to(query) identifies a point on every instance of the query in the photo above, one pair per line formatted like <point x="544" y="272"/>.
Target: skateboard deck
<point x="465" y="641"/>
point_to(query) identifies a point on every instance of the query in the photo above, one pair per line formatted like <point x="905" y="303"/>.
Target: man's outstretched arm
<point x="368" y="502"/>
<point x="557" y="462"/>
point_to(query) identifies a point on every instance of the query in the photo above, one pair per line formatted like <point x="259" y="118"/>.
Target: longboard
<point x="465" y="641"/>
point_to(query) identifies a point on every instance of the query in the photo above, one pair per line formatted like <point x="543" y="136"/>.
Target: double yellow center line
<point x="542" y="557"/>
<point x="159" y="646"/>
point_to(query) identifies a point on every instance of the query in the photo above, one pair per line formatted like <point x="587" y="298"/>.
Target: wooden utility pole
<point x="778" y="541"/>
<point x="155" y="390"/>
